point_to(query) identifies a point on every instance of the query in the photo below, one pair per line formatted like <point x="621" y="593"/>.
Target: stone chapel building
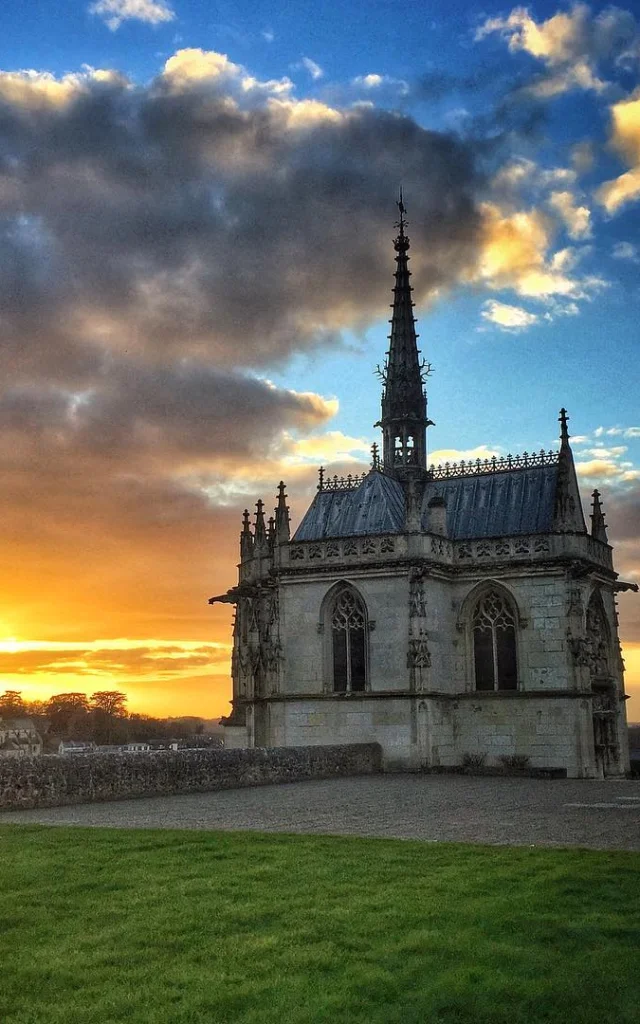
<point x="462" y="614"/>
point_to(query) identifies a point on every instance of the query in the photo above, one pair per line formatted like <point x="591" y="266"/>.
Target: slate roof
<point x="376" y="506"/>
<point x="496" y="504"/>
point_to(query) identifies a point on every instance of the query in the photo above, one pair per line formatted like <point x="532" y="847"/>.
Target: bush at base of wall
<point x="52" y="781"/>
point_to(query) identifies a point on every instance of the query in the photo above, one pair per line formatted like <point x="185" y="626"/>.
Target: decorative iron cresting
<point x="339" y="483"/>
<point x="479" y="467"/>
<point x="494" y="465"/>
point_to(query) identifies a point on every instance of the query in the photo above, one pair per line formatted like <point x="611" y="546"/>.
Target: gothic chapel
<point x="456" y="615"/>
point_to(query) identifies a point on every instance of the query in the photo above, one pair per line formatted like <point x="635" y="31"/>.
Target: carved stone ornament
<point x="575" y="606"/>
<point x="580" y="649"/>
<point x="272" y="654"/>
<point x="253" y="607"/>
<point x="245" y="661"/>
<point x="417" y="603"/>
<point x="418" y="655"/>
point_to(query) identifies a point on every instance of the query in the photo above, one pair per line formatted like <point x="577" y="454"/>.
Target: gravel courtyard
<point x="600" y="815"/>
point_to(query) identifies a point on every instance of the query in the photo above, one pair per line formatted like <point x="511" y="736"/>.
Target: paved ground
<point x="601" y="815"/>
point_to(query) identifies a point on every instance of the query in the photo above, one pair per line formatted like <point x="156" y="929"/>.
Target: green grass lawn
<point x="101" y="925"/>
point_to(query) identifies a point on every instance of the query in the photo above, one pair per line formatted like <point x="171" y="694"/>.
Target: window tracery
<point x="348" y="634"/>
<point x="494" y="643"/>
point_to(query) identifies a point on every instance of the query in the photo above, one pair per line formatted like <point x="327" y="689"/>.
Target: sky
<point x="196" y="262"/>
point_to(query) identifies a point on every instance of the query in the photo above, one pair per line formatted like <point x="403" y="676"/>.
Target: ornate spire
<point x="598" y="524"/>
<point x="567" y="515"/>
<point x="282" y="522"/>
<point x="260" y="529"/>
<point x="404" y="403"/>
<point x="246" y="537"/>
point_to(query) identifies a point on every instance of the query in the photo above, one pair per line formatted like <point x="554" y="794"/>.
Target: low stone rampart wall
<point x="53" y="780"/>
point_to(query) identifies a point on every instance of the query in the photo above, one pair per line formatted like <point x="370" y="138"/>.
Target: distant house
<point x="137" y="748"/>
<point x="76" y="747"/>
<point x="19" y="738"/>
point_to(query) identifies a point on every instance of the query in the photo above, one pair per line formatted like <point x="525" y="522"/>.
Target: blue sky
<point x="196" y="223"/>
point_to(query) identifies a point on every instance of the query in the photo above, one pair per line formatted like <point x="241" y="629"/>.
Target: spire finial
<point x="375" y="457"/>
<point x="564" y="432"/>
<point x="321" y="478"/>
<point x="282" y="526"/>
<point x="260" y="531"/>
<point x="401" y="243"/>
<point x="246" y="537"/>
<point x="598" y="524"/>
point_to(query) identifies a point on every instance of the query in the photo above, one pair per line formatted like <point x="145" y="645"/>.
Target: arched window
<point x="349" y="641"/>
<point x="494" y="643"/>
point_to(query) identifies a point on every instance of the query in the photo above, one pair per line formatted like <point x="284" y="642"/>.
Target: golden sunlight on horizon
<point x="172" y="677"/>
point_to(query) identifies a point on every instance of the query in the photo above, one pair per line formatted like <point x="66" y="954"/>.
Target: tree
<point x="12" y="704"/>
<point x="111" y="702"/>
<point x="109" y="709"/>
<point x="69" y="715"/>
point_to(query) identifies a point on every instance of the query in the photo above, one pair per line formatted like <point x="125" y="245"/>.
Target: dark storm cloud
<point x="175" y="219"/>
<point x="163" y="414"/>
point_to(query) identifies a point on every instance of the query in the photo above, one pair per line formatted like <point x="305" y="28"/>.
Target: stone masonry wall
<point x="52" y="781"/>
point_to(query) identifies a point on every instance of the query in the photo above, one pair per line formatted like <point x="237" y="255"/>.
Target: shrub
<point x="473" y="762"/>
<point x="514" y="762"/>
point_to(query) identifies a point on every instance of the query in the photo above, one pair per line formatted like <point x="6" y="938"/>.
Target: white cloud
<point x="577" y="219"/>
<point x="114" y="12"/>
<point x="482" y="452"/>
<point x="516" y="253"/>
<point x="375" y="81"/>
<point x="628" y="432"/>
<point x="314" y="69"/>
<point x="193" y="67"/>
<point x="508" y="318"/>
<point x="607" y="462"/>
<point x="625" y="251"/>
<point x="570" y="45"/>
<point x="582" y="156"/>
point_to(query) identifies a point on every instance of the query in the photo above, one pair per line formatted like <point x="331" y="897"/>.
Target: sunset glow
<point x="196" y="265"/>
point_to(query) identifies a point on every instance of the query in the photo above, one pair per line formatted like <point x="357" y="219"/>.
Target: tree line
<point x="102" y="718"/>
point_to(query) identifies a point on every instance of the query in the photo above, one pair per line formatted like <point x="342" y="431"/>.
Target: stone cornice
<point x="470" y="571"/>
<point x="384" y="549"/>
<point x="466" y="695"/>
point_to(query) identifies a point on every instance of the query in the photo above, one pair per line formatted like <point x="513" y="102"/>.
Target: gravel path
<point x="600" y="815"/>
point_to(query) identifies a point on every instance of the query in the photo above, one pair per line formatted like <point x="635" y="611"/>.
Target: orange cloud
<point x="625" y="140"/>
